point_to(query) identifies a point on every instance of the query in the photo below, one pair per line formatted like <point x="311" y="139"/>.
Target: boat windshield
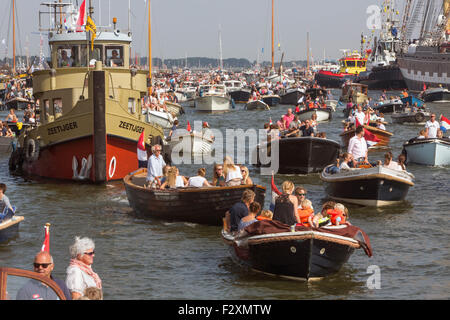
<point x="351" y="63"/>
<point x="78" y="55"/>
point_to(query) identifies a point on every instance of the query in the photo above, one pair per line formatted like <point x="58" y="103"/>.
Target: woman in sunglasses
<point x="80" y="275"/>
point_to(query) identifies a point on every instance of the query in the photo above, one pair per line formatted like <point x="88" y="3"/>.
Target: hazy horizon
<point x="190" y="28"/>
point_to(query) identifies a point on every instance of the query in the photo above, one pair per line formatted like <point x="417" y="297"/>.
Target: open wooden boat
<point x="383" y="135"/>
<point x="174" y="108"/>
<point x="197" y="205"/>
<point x="375" y="186"/>
<point x="257" y="105"/>
<point x="307" y="254"/>
<point x="9" y="228"/>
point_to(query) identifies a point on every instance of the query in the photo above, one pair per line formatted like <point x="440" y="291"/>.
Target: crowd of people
<point x="291" y="208"/>
<point x="163" y="176"/>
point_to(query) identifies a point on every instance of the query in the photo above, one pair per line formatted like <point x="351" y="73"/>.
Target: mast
<point x="273" y="49"/>
<point x="14" y="35"/>
<point x="307" y="52"/>
<point x="149" y="50"/>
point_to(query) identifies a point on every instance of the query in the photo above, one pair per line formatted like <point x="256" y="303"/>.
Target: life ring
<point x="419" y="117"/>
<point x="31" y="150"/>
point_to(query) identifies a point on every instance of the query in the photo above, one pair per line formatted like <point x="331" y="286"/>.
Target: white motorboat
<point x="323" y="114"/>
<point x="163" y="119"/>
<point x="213" y="98"/>
<point x="256" y="105"/>
<point x="431" y="152"/>
<point x="198" y="143"/>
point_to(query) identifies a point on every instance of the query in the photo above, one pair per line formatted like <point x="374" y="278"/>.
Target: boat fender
<point x="32" y="150"/>
<point x="419" y="117"/>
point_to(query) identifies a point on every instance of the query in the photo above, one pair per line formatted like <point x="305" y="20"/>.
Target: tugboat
<point x="91" y="109"/>
<point x="351" y="64"/>
<point x="383" y="71"/>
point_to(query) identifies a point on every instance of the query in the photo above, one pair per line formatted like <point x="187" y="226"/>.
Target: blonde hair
<point x="340" y="207"/>
<point x="248" y="196"/>
<point x="287" y="187"/>
<point x="201" y="172"/>
<point x="246" y="175"/>
<point x="306" y="204"/>
<point x="172" y="177"/>
<point x="228" y="165"/>
<point x="267" y="214"/>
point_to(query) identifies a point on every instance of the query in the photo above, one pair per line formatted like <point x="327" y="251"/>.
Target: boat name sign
<point x="131" y="127"/>
<point x="62" y="128"/>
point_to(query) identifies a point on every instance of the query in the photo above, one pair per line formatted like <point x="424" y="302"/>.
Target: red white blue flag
<point x="445" y="124"/>
<point x="46" y="244"/>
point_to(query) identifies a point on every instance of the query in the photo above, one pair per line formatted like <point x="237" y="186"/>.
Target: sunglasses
<point x="90" y="253"/>
<point x="43" y="265"/>
<point x="301" y="194"/>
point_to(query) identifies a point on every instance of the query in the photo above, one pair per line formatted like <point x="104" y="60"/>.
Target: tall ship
<point x="425" y="58"/>
<point x="383" y="71"/>
<point x="351" y="64"/>
<point x="90" y="104"/>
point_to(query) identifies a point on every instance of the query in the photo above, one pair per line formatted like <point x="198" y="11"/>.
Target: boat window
<point x="95" y="55"/>
<point x="361" y="63"/>
<point x="351" y="64"/>
<point x="132" y="105"/>
<point x="57" y="107"/>
<point x="67" y="56"/>
<point x="46" y="110"/>
<point x="114" y="56"/>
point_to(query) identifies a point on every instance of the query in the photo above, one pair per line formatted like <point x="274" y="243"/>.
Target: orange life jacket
<point x="260" y="218"/>
<point x="304" y="215"/>
<point x="336" y="216"/>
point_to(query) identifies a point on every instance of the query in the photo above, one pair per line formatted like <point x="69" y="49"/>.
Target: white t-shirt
<point x="77" y="280"/>
<point x="357" y="147"/>
<point x="393" y="165"/>
<point x="154" y="167"/>
<point x="179" y="182"/>
<point x="196" y="181"/>
<point x="235" y="174"/>
<point x="432" y="128"/>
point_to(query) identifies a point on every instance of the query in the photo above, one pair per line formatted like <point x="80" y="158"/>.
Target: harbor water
<point x="149" y="259"/>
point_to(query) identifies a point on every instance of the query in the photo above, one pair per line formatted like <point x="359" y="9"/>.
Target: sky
<point x="191" y="28"/>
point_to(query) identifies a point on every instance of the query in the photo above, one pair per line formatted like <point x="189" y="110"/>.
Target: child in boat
<point x="306" y="213"/>
<point x="337" y="215"/>
<point x="253" y="211"/>
<point x="265" y="215"/>
<point x="322" y="219"/>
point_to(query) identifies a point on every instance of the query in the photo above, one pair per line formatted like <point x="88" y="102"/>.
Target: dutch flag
<point x="275" y="194"/>
<point x="445" y="124"/>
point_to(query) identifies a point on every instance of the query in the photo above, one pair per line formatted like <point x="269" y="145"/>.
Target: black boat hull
<point x="390" y="108"/>
<point x="291" y="98"/>
<point x="368" y="192"/>
<point x="329" y="81"/>
<point x="240" y="96"/>
<point x="272" y="100"/>
<point x="301" y="259"/>
<point x="306" y="155"/>
<point x="386" y="77"/>
<point x="437" y="96"/>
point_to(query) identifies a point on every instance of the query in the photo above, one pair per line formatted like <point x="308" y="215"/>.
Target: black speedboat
<point x="375" y="186"/>
<point x="390" y="106"/>
<point x="436" y="95"/>
<point x="241" y="95"/>
<point x="305" y="155"/>
<point x="417" y="117"/>
<point x="291" y="96"/>
<point x="304" y="253"/>
<point x="271" y="100"/>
